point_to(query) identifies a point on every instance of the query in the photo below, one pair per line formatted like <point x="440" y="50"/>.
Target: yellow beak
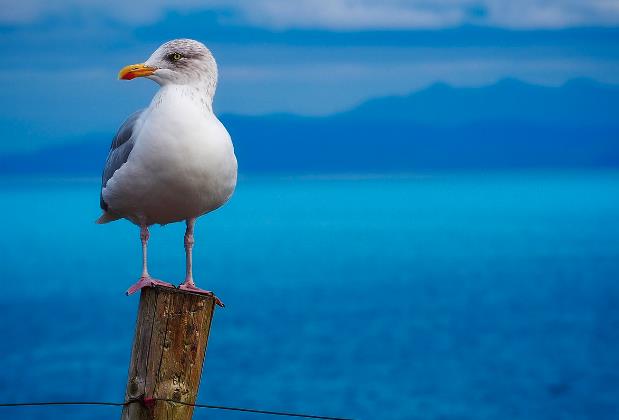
<point x="135" y="70"/>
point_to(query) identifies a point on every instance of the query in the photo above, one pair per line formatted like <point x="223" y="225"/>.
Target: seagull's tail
<point x="106" y="218"/>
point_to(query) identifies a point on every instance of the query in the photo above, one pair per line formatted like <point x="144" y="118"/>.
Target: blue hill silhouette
<point x="580" y="101"/>
<point x="507" y="125"/>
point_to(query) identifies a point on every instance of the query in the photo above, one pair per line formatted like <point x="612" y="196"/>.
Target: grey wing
<point x="121" y="147"/>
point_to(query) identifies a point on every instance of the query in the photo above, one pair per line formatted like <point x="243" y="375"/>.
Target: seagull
<point x="173" y="161"/>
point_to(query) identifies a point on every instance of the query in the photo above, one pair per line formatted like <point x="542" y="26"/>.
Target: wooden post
<point x="170" y="340"/>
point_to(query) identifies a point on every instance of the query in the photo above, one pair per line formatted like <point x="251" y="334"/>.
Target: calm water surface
<point x="457" y="296"/>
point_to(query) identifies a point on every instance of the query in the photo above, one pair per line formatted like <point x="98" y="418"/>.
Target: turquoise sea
<point x="447" y="296"/>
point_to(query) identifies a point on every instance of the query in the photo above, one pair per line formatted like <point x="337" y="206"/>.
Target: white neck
<point x="200" y="94"/>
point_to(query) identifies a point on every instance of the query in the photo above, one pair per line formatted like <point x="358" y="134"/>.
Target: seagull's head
<point x="180" y="61"/>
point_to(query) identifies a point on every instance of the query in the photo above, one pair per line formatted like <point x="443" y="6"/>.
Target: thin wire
<point x="27" y="404"/>
<point x="216" y="407"/>
<point x="251" y="410"/>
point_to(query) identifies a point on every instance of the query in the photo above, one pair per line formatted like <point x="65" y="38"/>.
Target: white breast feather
<point x="182" y="164"/>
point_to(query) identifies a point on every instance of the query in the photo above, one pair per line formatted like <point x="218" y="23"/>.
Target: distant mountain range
<point x="581" y="101"/>
<point x="507" y="125"/>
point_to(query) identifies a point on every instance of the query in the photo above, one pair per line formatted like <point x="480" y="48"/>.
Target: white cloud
<point x="339" y="14"/>
<point x="366" y="14"/>
<point x="348" y="14"/>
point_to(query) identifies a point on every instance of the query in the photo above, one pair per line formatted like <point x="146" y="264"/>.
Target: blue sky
<point x="59" y="60"/>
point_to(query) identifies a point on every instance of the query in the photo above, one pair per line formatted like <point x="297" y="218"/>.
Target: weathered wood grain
<point x="168" y="351"/>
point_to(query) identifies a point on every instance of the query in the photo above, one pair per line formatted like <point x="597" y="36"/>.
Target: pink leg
<point x="146" y="280"/>
<point x="189" y="284"/>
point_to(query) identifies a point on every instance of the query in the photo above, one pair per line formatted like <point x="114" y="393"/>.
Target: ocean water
<point x="451" y="296"/>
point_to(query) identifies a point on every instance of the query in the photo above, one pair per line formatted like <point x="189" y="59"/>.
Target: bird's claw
<point x="192" y="288"/>
<point x="146" y="281"/>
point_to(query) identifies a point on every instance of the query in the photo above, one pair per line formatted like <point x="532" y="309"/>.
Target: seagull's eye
<point x="175" y="57"/>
